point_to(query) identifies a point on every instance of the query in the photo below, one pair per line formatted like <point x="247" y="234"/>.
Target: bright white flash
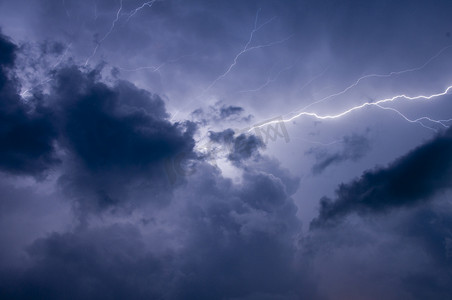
<point x="443" y="123"/>
<point x="377" y="104"/>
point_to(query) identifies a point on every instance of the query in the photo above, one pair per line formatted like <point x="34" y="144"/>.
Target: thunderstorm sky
<point x="242" y="149"/>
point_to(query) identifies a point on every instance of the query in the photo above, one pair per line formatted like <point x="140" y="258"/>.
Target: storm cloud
<point x="354" y="147"/>
<point x="27" y="132"/>
<point x="225" y="149"/>
<point x="411" y="179"/>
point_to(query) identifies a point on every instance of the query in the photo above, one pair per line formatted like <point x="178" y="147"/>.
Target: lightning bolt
<point x="106" y="35"/>
<point x="46" y="80"/>
<point x="418" y="120"/>
<point x="247" y="48"/>
<point x="112" y="27"/>
<point x="390" y="74"/>
<point x="134" y="11"/>
<point x="377" y="104"/>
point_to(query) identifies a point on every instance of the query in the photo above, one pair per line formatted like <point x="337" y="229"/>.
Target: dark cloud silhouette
<point x="413" y="178"/>
<point x="26" y="129"/>
<point x="232" y="239"/>
<point x="222" y="137"/>
<point x="7" y="53"/>
<point x="227" y="111"/>
<point x="119" y="135"/>
<point x="241" y="147"/>
<point x="119" y="127"/>
<point x="409" y="251"/>
<point x="102" y="263"/>
<point x="245" y="146"/>
<point x="113" y="136"/>
<point x="354" y="147"/>
<point x="429" y="228"/>
<point x="220" y="112"/>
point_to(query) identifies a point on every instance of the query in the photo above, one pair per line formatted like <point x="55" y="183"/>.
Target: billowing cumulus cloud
<point x="27" y="131"/>
<point x="117" y="136"/>
<point x="232" y="239"/>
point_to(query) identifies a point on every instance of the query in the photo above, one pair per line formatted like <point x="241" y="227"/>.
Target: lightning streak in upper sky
<point x="247" y="48"/>
<point x="112" y="27"/>
<point x="379" y="76"/>
<point x="107" y="34"/>
<point x="134" y="11"/>
<point x="378" y="103"/>
<point x="418" y="120"/>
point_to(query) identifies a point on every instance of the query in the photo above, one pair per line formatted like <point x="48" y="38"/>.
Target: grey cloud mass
<point x="225" y="149"/>
<point x="354" y="147"/>
<point x="415" y="177"/>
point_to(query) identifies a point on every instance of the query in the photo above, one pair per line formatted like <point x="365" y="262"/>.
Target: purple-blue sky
<point x="225" y="149"/>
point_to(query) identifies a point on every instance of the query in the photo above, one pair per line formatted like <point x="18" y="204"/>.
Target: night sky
<point x="240" y="149"/>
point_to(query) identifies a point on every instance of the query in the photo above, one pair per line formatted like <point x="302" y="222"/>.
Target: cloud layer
<point x="123" y="173"/>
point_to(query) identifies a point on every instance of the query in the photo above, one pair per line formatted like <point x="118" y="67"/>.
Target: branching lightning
<point x="423" y="121"/>
<point x="442" y="123"/>
<point x="390" y="74"/>
<point x="107" y="34"/>
<point x="418" y="120"/>
<point x="113" y="24"/>
<point x="377" y="104"/>
<point x="46" y="80"/>
<point x="246" y="48"/>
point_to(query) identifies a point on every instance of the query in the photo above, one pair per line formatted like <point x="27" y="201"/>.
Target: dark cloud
<point x="239" y="241"/>
<point x="413" y="178"/>
<point x="245" y="146"/>
<point x="26" y="129"/>
<point x="222" y="137"/>
<point x="119" y="127"/>
<point x="7" y="52"/>
<point x="219" y="233"/>
<point x="410" y="256"/>
<point x="227" y="111"/>
<point x="232" y="239"/>
<point x="219" y="113"/>
<point x="109" y="263"/>
<point x="354" y="147"/>
<point x="241" y="147"/>
<point x="112" y="135"/>
<point x="119" y="135"/>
